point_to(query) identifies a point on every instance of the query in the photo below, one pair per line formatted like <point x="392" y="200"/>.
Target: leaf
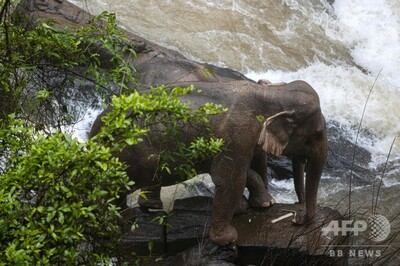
<point x="43" y="94"/>
<point x="61" y="218"/>
<point x="150" y="245"/>
<point x="131" y="141"/>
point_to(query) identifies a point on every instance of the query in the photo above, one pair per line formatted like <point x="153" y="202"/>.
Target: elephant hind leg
<point x="259" y="196"/>
<point x="150" y="198"/>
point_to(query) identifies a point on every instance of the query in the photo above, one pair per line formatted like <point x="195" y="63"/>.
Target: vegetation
<point x="56" y="194"/>
<point x="56" y="198"/>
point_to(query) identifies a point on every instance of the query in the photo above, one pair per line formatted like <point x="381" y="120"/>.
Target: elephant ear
<point x="276" y="131"/>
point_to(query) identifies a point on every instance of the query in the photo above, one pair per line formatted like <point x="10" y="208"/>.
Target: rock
<point x="166" y="70"/>
<point x="340" y="150"/>
<point x="206" y="254"/>
<point x="259" y="239"/>
<point x="61" y="11"/>
<point x="331" y="2"/>
<point x="148" y="229"/>
<point x="279" y="168"/>
<point x="283" y="242"/>
<point x="188" y="223"/>
<point x="337" y="164"/>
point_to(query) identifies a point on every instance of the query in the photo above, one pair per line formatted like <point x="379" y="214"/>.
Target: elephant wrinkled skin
<point x="294" y="126"/>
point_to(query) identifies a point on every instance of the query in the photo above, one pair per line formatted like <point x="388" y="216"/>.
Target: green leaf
<point x="61" y="218"/>
<point x="43" y="94"/>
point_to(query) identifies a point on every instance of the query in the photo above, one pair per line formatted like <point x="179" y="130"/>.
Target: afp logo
<point x="377" y="225"/>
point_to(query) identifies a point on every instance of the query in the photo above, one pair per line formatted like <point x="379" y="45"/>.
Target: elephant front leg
<point x="298" y="176"/>
<point x="229" y="177"/>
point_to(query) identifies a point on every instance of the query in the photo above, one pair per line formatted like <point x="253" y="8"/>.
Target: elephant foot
<point x="261" y="201"/>
<point x="259" y="196"/>
<point x="302" y="219"/>
<point x="223" y="235"/>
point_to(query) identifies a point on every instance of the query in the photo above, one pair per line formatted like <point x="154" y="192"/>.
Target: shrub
<point x="56" y="199"/>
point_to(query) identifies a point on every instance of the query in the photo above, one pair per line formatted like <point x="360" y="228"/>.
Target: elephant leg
<point x="259" y="164"/>
<point x="298" y="175"/>
<point x="151" y="198"/>
<point x="229" y="176"/>
<point x="259" y="196"/>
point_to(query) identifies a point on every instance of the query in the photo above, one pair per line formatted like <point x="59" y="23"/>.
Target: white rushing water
<point x="345" y="51"/>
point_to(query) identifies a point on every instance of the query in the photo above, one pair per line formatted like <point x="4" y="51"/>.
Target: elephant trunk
<point x="314" y="168"/>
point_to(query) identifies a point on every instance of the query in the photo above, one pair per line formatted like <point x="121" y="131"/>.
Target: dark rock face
<point x="337" y="164"/>
<point x="148" y="230"/>
<point x="61" y="11"/>
<point x="206" y="254"/>
<point x="340" y="150"/>
<point x="189" y="223"/>
<point x="166" y="70"/>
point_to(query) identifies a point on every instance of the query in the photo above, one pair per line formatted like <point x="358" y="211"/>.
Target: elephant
<point x="281" y="120"/>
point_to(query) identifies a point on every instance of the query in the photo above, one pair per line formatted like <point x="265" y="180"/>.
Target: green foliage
<point x="56" y="194"/>
<point x="261" y="118"/>
<point x="56" y="199"/>
<point x="207" y="72"/>
<point x="161" y="117"/>
<point x="41" y="65"/>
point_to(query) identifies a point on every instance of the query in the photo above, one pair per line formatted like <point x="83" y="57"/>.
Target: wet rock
<point x="188" y="223"/>
<point x="337" y="164"/>
<point x="147" y="230"/>
<point x="331" y="2"/>
<point x="166" y="70"/>
<point x="260" y="242"/>
<point x="341" y="149"/>
<point x="345" y="158"/>
<point x="279" y="168"/>
<point x="206" y="254"/>
<point x="61" y="11"/>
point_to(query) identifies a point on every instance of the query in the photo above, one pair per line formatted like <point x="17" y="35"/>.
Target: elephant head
<point x="303" y="140"/>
